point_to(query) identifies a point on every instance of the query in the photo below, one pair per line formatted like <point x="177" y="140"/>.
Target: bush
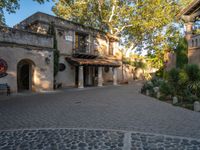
<point x="166" y="89"/>
<point x="183" y="77"/>
<point x="156" y="81"/>
<point x="181" y="53"/>
<point x="193" y="72"/>
<point x="173" y="78"/>
<point x="160" y="73"/>
<point x="147" y="86"/>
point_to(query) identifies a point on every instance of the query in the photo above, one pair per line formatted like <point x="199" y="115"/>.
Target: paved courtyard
<point x="112" y="117"/>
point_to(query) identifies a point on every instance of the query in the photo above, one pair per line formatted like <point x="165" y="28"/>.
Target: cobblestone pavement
<point x="111" y="107"/>
<point x="81" y="139"/>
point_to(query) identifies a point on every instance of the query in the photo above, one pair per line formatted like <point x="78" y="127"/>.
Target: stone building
<point x="88" y="57"/>
<point x="190" y="15"/>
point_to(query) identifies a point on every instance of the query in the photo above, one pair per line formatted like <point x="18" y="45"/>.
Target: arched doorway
<point x="25" y="70"/>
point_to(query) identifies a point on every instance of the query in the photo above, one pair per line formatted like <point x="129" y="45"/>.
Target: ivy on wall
<point x="56" y="51"/>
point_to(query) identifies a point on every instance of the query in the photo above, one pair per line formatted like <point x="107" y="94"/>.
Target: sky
<point x="27" y="8"/>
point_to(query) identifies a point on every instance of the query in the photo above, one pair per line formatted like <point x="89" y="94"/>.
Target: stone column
<point x="80" y="77"/>
<point x="189" y="29"/>
<point x="100" y="77"/>
<point x="114" y="76"/>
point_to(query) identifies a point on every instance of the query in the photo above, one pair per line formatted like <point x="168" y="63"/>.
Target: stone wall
<point x="10" y="35"/>
<point x="194" y="56"/>
<point x="194" y="50"/>
<point x="17" y="45"/>
<point x="42" y="74"/>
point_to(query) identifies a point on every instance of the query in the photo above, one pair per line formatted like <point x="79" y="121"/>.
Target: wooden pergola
<point x="92" y="62"/>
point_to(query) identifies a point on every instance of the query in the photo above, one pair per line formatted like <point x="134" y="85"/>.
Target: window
<point x="192" y="43"/>
<point x="81" y="42"/>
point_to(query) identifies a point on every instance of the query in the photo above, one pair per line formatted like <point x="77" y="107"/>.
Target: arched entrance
<point x="25" y="70"/>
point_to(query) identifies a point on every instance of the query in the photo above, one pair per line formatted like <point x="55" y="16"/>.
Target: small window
<point x="192" y="43"/>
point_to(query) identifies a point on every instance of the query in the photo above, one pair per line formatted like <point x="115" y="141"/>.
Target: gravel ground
<point x="81" y="139"/>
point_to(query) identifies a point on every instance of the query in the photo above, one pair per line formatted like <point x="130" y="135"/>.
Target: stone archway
<point x="25" y="71"/>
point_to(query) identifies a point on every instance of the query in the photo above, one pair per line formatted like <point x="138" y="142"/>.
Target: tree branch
<point x="112" y="14"/>
<point x="120" y="30"/>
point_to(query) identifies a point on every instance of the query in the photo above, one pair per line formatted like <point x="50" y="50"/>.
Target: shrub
<point x="183" y="77"/>
<point x="156" y="81"/>
<point x="160" y="73"/>
<point x="166" y="89"/>
<point x="147" y="86"/>
<point x="173" y="78"/>
<point x="181" y="53"/>
<point x="193" y="72"/>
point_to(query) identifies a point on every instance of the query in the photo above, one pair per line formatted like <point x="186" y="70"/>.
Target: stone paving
<point x="120" y="108"/>
<point x="82" y="139"/>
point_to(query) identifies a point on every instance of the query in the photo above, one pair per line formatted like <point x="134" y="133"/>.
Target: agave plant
<point x="193" y="86"/>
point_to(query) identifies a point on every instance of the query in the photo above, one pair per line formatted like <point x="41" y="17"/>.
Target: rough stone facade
<point x="21" y="46"/>
<point x="28" y="50"/>
<point x="98" y="42"/>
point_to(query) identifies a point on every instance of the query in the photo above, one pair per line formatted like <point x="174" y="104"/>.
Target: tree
<point x="11" y="6"/>
<point x="133" y="20"/>
<point x="181" y="53"/>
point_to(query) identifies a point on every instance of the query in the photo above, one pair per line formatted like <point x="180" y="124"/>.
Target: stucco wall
<point x="66" y="77"/>
<point x="43" y="72"/>
<point x="194" y="56"/>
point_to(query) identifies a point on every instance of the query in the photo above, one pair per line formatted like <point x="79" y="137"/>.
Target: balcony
<point x="85" y="53"/>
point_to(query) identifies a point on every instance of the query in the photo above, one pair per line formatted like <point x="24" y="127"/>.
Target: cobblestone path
<point x="82" y="139"/>
<point x="115" y="110"/>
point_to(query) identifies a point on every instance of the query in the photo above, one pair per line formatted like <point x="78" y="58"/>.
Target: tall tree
<point x="133" y="20"/>
<point x="11" y="6"/>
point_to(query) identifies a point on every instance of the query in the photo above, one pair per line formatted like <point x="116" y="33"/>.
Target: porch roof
<point x="92" y="62"/>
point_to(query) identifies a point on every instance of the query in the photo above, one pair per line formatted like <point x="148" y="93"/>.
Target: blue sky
<point x="27" y="8"/>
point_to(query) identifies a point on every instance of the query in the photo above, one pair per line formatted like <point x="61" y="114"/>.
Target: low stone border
<point x="86" y="139"/>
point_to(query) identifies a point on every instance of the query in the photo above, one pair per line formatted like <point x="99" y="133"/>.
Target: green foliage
<point x="56" y="62"/>
<point x="160" y="73"/>
<point x="156" y="81"/>
<point x="166" y="89"/>
<point x="137" y="23"/>
<point x="11" y="6"/>
<point x="183" y="77"/>
<point x="193" y="72"/>
<point x="181" y="53"/>
<point x="139" y="64"/>
<point x="173" y="76"/>
<point x="56" y="53"/>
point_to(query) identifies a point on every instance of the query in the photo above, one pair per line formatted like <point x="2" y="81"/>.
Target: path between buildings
<point x="112" y="117"/>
